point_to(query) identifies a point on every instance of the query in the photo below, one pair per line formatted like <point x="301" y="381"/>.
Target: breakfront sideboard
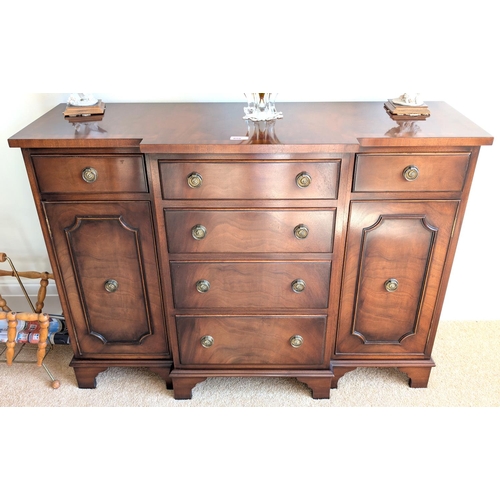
<point x="198" y="244"/>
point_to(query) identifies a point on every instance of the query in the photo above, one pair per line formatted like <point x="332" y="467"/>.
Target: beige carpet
<point x="467" y="373"/>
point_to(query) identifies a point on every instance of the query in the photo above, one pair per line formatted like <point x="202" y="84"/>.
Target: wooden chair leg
<point x="11" y="337"/>
<point x="42" y="342"/>
<point x="43" y="320"/>
<point x="3" y="305"/>
<point x="42" y="292"/>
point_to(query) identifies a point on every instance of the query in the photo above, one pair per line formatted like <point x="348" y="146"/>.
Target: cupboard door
<point x="394" y="261"/>
<point x="106" y="257"/>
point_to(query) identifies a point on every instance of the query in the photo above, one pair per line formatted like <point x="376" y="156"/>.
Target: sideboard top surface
<point x="219" y="128"/>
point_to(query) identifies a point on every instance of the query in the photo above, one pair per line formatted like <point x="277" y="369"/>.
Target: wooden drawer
<point x="194" y="231"/>
<point x="250" y="284"/>
<point x="250" y="180"/>
<point x="410" y="172"/>
<point x="253" y="340"/>
<point x="104" y="174"/>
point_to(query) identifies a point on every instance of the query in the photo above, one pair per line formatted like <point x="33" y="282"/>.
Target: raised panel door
<point x="394" y="262"/>
<point x="106" y="256"/>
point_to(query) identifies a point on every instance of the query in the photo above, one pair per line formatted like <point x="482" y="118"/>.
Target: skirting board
<point x="9" y="287"/>
<point x="13" y="295"/>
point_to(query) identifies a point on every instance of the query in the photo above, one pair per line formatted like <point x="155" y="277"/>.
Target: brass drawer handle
<point x="391" y="285"/>
<point x="198" y="232"/>
<point x="301" y="231"/>
<point x="203" y="286"/>
<point x="207" y="341"/>
<point x="89" y="175"/>
<point x="303" y="179"/>
<point x="298" y="285"/>
<point x="194" y="180"/>
<point x="111" y="286"/>
<point x="296" y="341"/>
<point x="410" y="173"/>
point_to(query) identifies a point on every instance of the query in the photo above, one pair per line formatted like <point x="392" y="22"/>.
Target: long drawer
<point x="195" y="231"/>
<point x="251" y="284"/>
<point x="258" y="340"/>
<point x="410" y="172"/>
<point x="250" y="180"/>
<point x="84" y="174"/>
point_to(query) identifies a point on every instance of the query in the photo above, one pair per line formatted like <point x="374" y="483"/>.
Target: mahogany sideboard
<point x="192" y="242"/>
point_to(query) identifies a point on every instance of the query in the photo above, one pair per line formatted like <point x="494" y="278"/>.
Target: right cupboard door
<point x="395" y="257"/>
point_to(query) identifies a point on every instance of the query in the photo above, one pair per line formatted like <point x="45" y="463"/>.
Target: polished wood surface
<point x="249" y="180"/>
<point x="254" y="340"/>
<point x="251" y="285"/>
<point x="110" y="174"/>
<point x="249" y="231"/>
<point x="393" y="240"/>
<point x="208" y="128"/>
<point x="201" y="245"/>
<point x="101" y="242"/>
<point x="434" y="172"/>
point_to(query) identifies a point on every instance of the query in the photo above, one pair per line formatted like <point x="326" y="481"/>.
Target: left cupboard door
<point x="106" y="258"/>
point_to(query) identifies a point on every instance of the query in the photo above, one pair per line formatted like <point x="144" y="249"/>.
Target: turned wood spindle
<point x="11" y="336"/>
<point x="12" y="322"/>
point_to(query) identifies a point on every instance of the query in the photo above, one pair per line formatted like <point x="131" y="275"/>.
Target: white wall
<point x="322" y="51"/>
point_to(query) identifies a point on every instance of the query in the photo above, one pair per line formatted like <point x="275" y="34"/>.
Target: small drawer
<point x="259" y="180"/>
<point x="246" y="231"/>
<point x="252" y="340"/>
<point x="251" y="284"/>
<point x="90" y="174"/>
<point x="431" y="172"/>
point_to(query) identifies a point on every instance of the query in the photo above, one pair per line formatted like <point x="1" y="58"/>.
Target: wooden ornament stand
<point x="74" y="111"/>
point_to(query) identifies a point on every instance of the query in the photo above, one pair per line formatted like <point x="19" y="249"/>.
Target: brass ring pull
<point x="298" y="285"/>
<point x="391" y="285"/>
<point x="410" y="173"/>
<point x="89" y="175"/>
<point x="303" y="180"/>
<point x="111" y="286"/>
<point x="207" y="341"/>
<point x="194" y="180"/>
<point x="296" y="341"/>
<point x="203" y="286"/>
<point x="198" y="232"/>
<point x="301" y="231"/>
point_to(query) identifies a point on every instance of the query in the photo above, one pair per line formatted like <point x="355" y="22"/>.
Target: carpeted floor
<point x="467" y="373"/>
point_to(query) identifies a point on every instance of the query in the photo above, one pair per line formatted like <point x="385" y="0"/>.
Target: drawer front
<point x="432" y="172"/>
<point x="255" y="340"/>
<point x="234" y="180"/>
<point x="90" y="174"/>
<point x="251" y="284"/>
<point x="195" y="231"/>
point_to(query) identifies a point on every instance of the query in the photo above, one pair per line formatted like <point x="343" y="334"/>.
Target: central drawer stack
<point x="249" y="248"/>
